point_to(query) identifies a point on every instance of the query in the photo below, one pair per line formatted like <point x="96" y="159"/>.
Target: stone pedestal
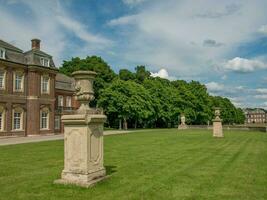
<point x="217" y="128"/>
<point x="217" y="124"/>
<point x="83" y="137"/>
<point x="182" y="126"/>
<point x="83" y="149"/>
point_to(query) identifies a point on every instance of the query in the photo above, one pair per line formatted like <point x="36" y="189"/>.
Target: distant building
<point x="255" y="116"/>
<point x="33" y="95"/>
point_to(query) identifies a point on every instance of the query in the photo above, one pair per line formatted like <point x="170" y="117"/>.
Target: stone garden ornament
<point x="217" y="124"/>
<point x="183" y="124"/>
<point x="83" y="137"/>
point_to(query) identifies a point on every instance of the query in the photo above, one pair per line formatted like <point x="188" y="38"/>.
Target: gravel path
<point x="28" y="139"/>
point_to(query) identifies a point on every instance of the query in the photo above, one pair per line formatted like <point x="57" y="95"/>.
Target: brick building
<point x="33" y="95"/>
<point x="255" y="116"/>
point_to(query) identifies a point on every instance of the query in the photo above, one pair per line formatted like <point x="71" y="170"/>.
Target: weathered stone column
<point x="83" y="137"/>
<point x="183" y="124"/>
<point x="217" y="124"/>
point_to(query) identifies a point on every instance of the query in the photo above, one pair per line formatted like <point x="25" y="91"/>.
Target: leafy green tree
<point x="141" y="73"/>
<point x="126" y="75"/>
<point x="126" y="100"/>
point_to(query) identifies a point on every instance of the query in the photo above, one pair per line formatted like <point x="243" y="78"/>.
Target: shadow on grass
<point x="110" y="169"/>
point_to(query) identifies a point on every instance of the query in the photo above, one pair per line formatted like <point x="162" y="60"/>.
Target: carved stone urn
<point x="83" y="137"/>
<point x="217" y="123"/>
<point x="84" y="89"/>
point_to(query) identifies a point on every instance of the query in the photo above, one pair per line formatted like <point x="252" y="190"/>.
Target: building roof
<point x="9" y="46"/>
<point x="31" y="57"/>
<point x="64" y="82"/>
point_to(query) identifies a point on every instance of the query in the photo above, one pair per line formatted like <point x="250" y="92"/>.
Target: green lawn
<point x="155" y="164"/>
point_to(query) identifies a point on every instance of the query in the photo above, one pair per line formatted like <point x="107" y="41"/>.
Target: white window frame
<point x="68" y="101"/>
<point x="21" y="119"/>
<point x="3" y="81"/>
<point x="57" y="122"/>
<point x="3" y="54"/>
<point x="60" y="101"/>
<point x="21" y="89"/>
<point x="45" y="62"/>
<point x="2" y="118"/>
<point x="42" y="117"/>
<point x="43" y="78"/>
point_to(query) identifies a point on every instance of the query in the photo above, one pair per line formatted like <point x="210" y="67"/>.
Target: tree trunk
<point x="125" y="126"/>
<point x="120" y="124"/>
<point x="135" y="124"/>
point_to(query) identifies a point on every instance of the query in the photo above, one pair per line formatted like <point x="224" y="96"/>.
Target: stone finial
<point x="84" y="89"/>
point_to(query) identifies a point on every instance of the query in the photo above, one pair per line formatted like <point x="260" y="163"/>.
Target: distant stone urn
<point x="183" y="124"/>
<point x="217" y="124"/>
<point x="83" y="137"/>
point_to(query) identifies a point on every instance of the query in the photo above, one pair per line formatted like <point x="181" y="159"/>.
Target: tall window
<point x="45" y="84"/>
<point x="1" y="121"/>
<point x="18" y="119"/>
<point x="44" y="118"/>
<point x="2" y="53"/>
<point x="68" y="101"/>
<point x="44" y="62"/>
<point x="18" y="81"/>
<point x="60" y="100"/>
<point x="57" y="122"/>
<point x="2" y="118"/>
<point x="2" y="79"/>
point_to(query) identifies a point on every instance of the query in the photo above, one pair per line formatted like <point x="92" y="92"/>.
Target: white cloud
<point x="125" y="20"/>
<point x="261" y="96"/>
<point x="215" y="87"/>
<point x="133" y="2"/>
<point x="263" y="29"/>
<point x="52" y="23"/>
<point x="162" y="73"/>
<point x="80" y="31"/>
<point x="166" y="38"/>
<point x="244" y="65"/>
<point x="261" y="90"/>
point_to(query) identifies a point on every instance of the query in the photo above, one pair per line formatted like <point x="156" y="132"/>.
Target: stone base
<point x="182" y="127"/>
<point x="217" y="128"/>
<point x="82" y="180"/>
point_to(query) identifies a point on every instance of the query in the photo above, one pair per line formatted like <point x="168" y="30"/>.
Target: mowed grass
<point x="154" y="164"/>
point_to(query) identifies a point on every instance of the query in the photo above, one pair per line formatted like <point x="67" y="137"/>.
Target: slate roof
<point x="9" y="46"/>
<point x="31" y="57"/>
<point x="64" y="82"/>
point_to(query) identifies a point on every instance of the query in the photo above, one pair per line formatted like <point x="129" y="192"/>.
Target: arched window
<point x="18" y="118"/>
<point x="2" y="118"/>
<point x="44" y="118"/>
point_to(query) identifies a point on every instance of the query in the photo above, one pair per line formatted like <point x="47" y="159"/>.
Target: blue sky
<point x="222" y="44"/>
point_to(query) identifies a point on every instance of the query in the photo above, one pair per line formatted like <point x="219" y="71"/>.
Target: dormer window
<point x="44" y="62"/>
<point x="2" y="53"/>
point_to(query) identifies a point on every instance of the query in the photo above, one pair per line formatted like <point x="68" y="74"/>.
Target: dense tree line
<point x="137" y="100"/>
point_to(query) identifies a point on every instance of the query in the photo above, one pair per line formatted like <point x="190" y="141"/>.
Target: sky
<point x="222" y="44"/>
